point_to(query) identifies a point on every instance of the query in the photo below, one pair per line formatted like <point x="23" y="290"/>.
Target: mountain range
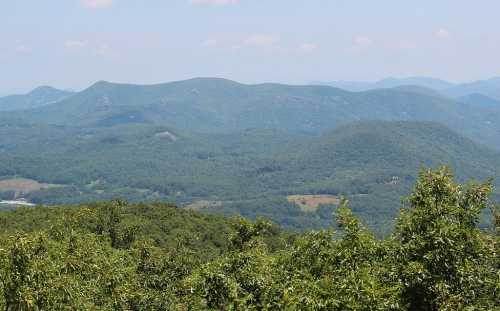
<point x="488" y="87"/>
<point x="229" y="148"/>
<point x="358" y="86"/>
<point x="218" y="105"/>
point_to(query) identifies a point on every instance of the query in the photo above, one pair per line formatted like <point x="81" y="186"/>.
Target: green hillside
<point x="479" y="100"/>
<point x="398" y="145"/>
<point x="357" y="86"/>
<point x="218" y="105"/>
<point x="225" y="147"/>
<point x="373" y="164"/>
<point x="39" y="97"/>
<point x="489" y="87"/>
<point x="249" y="172"/>
<point x="118" y="256"/>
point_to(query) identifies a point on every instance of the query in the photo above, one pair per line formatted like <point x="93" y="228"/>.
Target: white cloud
<point x="308" y="47"/>
<point x="97" y="4"/>
<point x="260" y="40"/>
<point x="23" y="49"/>
<point x="73" y="44"/>
<point x="362" y="41"/>
<point x="214" y="2"/>
<point x="442" y="34"/>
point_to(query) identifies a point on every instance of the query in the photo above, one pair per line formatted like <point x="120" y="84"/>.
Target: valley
<point x="222" y="147"/>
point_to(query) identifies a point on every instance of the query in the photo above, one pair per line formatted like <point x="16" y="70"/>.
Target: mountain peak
<point x="101" y="83"/>
<point x="43" y="90"/>
<point x="38" y="97"/>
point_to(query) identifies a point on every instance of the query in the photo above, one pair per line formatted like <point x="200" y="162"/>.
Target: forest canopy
<point x="119" y="256"/>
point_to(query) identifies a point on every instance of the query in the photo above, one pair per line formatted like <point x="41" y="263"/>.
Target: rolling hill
<point x="488" y="87"/>
<point x="375" y="164"/>
<point x="251" y="172"/>
<point x="218" y="105"/>
<point x="39" y="97"/>
<point x="226" y="147"/>
<point x="391" y="152"/>
<point x="358" y="86"/>
<point x="479" y="100"/>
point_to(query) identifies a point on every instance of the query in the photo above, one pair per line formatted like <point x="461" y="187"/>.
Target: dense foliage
<point x="249" y="172"/>
<point x="219" y="105"/>
<point x="114" y="256"/>
<point x="241" y="148"/>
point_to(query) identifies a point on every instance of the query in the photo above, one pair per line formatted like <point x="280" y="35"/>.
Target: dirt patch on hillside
<point x="166" y="135"/>
<point x="309" y="203"/>
<point x="23" y="185"/>
<point x="197" y="205"/>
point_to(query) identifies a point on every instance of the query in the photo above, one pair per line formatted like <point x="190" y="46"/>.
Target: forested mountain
<point x="489" y="87"/>
<point x="372" y="163"/>
<point x="357" y="86"/>
<point x="39" y="97"/>
<point x="285" y="152"/>
<point x="218" y="105"/>
<point x="305" y="157"/>
<point x="479" y="100"/>
<point x="250" y="172"/>
<point x="374" y="149"/>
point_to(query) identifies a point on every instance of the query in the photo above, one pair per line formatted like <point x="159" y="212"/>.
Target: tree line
<point x="117" y="256"/>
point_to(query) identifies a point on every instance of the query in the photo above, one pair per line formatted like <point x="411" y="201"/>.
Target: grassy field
<point x="24" y="185"/>
<point x="197" y="205"/>
<point x="310" y="203"/>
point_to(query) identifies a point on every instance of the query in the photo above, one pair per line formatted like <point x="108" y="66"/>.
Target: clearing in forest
<point x="23" y="185"/>
<point x="197" y="205"/>
<point x="310" y="202"/>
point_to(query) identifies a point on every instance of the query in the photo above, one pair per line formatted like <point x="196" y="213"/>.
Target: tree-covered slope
<point x="39" y="97"/>
<point x="249" y="172"/>
<point x="479" y="100"/>
<point x="376" y="146"/>
<point x="114" y="256"/>
<point x="489" y="87"/>
<point x="373" y="164"/>
<point x="218" y="105"/>
<point x="164" y="224"/>
<point x="357" y="86"/>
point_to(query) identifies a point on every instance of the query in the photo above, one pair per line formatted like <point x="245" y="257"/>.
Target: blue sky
<point x="73" y="43"/>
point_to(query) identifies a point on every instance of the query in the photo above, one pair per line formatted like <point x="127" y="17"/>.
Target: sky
<point x="71" y="44"/>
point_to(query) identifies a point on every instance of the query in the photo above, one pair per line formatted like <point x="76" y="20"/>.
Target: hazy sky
<point x="73" y="43"/>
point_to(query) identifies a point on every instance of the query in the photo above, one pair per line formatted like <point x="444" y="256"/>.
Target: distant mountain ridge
<point x="488" y="87"/>
<point x="239" y="148"/>
<point x="218" y="105"/>
<point x="39" y="97"/>
<point x="359" y="86"/>
<point x="480" y="100"/>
